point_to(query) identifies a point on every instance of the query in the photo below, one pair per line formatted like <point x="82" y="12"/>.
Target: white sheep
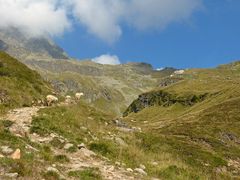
<point x="68" y="99"/>
<point x="78" y="95"/>
<point x="51" y="99"/>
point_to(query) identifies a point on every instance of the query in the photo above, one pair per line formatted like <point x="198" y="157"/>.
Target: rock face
<point x="169" y="81"/>
<point x="21" y="46"/>
<point x="43" y="45"/>
<point x="3" y="46"/>
<point x="162" y="98"/>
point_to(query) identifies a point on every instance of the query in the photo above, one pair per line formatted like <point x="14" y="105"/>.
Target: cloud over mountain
<point x="34" y="17"/>
<point x="102" y="18"/>
<point x="107" y="59"/>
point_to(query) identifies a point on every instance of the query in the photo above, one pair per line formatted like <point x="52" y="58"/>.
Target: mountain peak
<point x="20" y="46"/>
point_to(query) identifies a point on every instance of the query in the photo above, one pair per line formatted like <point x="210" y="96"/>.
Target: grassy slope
<point x="32" y="163"/>
<point x="188" y="142"/>
<point x="99" y="135"/>
<point x="204" y="136"/>
<point x="109" y="88"/>
<point x="19" y="85"/>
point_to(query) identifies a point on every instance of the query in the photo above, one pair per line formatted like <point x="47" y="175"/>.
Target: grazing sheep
<point x="78" y="95"/>
<point x="68" y="99"/>
<point x="51" y="99"/>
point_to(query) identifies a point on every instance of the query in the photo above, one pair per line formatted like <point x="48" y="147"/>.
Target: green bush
<point x="102" y="148"/>
<point x="61" y="158"/>
<point x="87" y="174"/>
<point x="7" y="123"/>
<point x="50" y="175"/>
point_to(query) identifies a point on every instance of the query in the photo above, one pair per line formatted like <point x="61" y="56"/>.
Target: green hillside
<point x="187" y="128"/>
<point x="196" y="121"/>
<point x="19" y="85"/>
<point x="109" y="88"/>
<point x="177" y="125"/>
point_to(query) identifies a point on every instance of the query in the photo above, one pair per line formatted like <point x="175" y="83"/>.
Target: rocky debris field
<point x="75" y="160"/>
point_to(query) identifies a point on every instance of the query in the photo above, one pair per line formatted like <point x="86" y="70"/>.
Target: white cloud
<point x="159" y="69"/>
<point x="107" y="59"/>
<point x="157" y="14"/>
<point x="102" y="18"/>
<point x="34" y="17"/>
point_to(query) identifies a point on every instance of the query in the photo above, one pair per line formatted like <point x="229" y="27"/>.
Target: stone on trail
<point x="87" y="153"/>
<point x="142" y="166"/>
<point x="52" y="169"/>
<point x="11" y="175"/>
<point x="129" y="170"/>
<point x="68" y="146"/>
<point x="82" y="145"/>
<point x="140" y="171"/>
<point x="6" y="150"/>
<point x="16" y="154"/>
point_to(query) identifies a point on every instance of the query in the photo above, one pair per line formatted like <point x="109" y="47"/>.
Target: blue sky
<point x="209" y="37"/>
<point x="177" y="33"/>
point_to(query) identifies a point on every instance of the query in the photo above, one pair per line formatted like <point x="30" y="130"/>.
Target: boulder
<point x="6" y="150"/>
<point x="129" y="170"/>
<point x="16" y="154"/>
<point x="68" y="146"/>
<point x="82" y="145"/>
<point x="140" y="171"/>
<point x="1" y="156"/>
<point x="142" y="166"/>
<point x="120" y="142"/>
<point x="117" y="163"/>
<point x="87" y="153"/>
<point x="11" y="175"/>
<point x="52" y="169"/>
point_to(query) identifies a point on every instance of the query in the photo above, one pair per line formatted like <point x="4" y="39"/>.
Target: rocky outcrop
<point x="39" y="45"/>
<point x="162" y="98"/>
<point x="4" y="98"/>
<point x="169" y="81"/>
<point x="20" y="46"/>
<point x="3" y="46"/>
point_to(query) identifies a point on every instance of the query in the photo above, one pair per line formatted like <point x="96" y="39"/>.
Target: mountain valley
<point x="133" y="122"/>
